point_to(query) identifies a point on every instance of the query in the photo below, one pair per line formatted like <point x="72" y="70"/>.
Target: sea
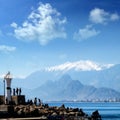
<point x="108" y="110"/>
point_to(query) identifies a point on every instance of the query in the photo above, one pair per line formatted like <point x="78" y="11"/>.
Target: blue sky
<point x="35" y="34"/>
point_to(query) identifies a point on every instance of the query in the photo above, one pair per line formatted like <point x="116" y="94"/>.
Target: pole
<point x="4" y="90"/>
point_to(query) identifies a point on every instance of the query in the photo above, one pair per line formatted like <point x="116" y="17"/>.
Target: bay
<point x="108" y="110"/>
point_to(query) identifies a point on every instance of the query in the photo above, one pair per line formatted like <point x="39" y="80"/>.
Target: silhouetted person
<point x="20" y="91"/>
<point x="35" y="101"/>
<point x="28" y="102"/>
<point x="6" y="101"/>
<point x="31" y="102"/>
<point x="39" y="101"/>
<point x="14" y="91"/>
<point x="17" y="91"/>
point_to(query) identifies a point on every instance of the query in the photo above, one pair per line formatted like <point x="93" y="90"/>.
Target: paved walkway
<point x="31" y="118"/>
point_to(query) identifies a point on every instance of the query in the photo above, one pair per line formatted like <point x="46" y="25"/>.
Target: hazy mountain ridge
<point x="105" y="93"/>
<point x="72" y="90"/>
<point x="104" y="78"/>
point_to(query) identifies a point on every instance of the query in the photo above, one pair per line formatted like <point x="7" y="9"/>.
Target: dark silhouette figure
<point x="31" y="102"/>
<point x="6" y="101"/>
<point x="35" y="101"/>
<point x="39" y="102"/>
<point x="20" y="91"/>
<point x="17" y="91"/>
<point x="14" y="91"/>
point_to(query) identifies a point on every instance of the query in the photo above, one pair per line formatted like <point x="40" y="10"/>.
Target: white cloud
<point x="79" y="66"/>
<point x="14" y="25"/>
<point x="97" y="16"/>
<point x="4" y="48"/>
<point x="100" y="16"/>
<point x="86" y="33"/>
<point x="43" y="24"/>
<point x="114" y="17"/>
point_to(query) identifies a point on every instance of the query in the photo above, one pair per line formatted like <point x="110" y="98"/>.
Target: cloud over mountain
<point x="79" y="66"/>
<point x="43" y="24"/>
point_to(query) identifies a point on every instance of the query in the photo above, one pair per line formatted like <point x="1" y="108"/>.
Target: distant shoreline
<point x="81" y="102"/>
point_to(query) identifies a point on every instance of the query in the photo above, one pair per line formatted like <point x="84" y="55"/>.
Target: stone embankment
<point x="44" y="112"/>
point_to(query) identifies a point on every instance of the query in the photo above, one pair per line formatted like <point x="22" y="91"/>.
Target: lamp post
<point x="4" y="90"/>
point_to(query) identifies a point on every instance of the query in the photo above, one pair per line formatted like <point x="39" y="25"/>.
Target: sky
<point x="53" y="34"/>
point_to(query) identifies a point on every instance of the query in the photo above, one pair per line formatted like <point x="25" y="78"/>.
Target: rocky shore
<point x="45" y="112"/>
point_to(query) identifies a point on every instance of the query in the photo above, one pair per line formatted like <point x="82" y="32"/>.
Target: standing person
<point x="35" y="101"/>
<point x="20" y="91"/>
<point x="40" y="102"/>
<point x="17" y="91"/>
<point x="13" y="91"/>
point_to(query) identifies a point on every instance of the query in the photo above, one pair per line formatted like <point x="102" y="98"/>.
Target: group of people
<point x="36" y="101"/>
<point x="17" y="91"/>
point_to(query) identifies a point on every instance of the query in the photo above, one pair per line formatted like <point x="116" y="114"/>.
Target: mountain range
<point x="71" y="85"/>
<point x="109" y="78"/>
<point x="68" y="89"/>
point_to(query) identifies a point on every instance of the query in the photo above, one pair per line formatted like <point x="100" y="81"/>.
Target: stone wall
<point x="2" y="99"/>
<point x="18" y="99"/>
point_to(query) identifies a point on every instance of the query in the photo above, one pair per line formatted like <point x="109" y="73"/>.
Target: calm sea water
<point x="108" y="110"/>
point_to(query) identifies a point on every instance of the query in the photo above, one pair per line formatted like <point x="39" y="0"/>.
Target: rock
<point x="96" y="116"/>
<point x="71" y="114"/>
<point x="54" y="114"/>
<point x="75" y="109"/>
<point x="81" y="113"/>
<point x="20" y="113"/>
<point x="61" y="113"/>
